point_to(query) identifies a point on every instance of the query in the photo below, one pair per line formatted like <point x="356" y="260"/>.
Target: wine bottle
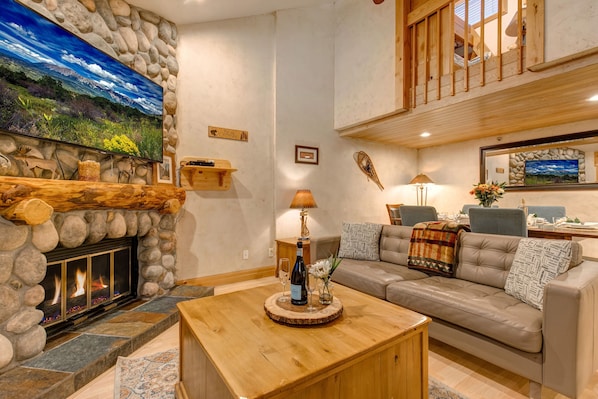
<point x="298" y="279"/>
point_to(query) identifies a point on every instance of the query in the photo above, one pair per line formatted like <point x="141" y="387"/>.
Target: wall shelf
<point x="206" y="178"/>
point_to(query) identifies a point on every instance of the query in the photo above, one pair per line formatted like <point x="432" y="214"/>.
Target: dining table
<point x="561" y="232"/>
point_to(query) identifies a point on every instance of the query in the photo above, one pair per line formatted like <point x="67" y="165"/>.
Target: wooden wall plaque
<point x="230" y="134"/>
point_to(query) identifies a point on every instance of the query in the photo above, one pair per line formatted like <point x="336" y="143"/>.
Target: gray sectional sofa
<point x="556" y="347"/>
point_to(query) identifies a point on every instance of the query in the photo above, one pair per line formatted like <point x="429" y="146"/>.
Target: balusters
<point x="437" y="30"/>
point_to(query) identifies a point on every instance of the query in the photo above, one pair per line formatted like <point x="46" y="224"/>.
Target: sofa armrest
<point x="570" y="329"/>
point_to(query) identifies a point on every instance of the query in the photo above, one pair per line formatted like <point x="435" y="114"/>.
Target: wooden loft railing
<point x="450" y="54"/>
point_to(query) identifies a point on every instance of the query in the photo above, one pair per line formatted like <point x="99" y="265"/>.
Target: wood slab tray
<point x="287" y="313"/>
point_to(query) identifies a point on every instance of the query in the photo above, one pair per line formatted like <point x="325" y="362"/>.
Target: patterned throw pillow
<point x="360" y="241"/>
<point x="536" y="262"/>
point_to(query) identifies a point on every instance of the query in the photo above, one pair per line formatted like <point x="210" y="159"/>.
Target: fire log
<point x="32" y="211"/>
<point x="70" y="195"/>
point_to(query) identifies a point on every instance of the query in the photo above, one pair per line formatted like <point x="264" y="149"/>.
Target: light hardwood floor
<point x="469" y="375"/>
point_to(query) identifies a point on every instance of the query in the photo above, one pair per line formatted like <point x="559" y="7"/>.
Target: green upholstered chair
<point x="413" y="214"/>
<point x="505" y="221"/>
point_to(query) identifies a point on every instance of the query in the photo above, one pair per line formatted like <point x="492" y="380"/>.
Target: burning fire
<point x="57" y="290"/>
<point x="80" y="278"/>
<point x="99" y="284"/>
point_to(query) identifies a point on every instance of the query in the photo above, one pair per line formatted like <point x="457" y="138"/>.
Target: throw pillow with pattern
<point x="360" y="241"/>
<point x="536" y="262"/>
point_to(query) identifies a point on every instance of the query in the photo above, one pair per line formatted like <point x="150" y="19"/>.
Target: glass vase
<point x="325" y="292"/>
<point x="486" y="203"/>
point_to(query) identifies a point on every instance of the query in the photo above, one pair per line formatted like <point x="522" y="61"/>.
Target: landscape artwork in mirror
<point x="55" y="86"/>
<point x="551" y="171"/>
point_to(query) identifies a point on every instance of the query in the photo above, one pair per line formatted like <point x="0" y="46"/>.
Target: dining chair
<point x="547" y="212"/>
<point x="505" y="221"/>
<point x="467" y="207"/>
<point x="412" y="214"/>
<point x="393" y="213"/>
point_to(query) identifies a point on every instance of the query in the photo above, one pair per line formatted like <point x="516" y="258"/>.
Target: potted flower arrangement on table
<point x="488" y="193"/>
<point x="323" y="270"/>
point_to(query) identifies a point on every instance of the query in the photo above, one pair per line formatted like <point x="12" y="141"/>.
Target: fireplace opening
<point x="84" y="283"/>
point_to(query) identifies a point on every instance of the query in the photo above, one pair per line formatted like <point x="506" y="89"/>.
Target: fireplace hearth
<point x="86" y="282"/>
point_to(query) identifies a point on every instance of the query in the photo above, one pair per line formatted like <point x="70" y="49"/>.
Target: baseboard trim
<point x="230" y="278"/>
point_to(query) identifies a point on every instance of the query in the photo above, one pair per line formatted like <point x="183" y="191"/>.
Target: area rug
<point x="154" y="377"/>
<point x="437" y="390"/>
<point x="150" y="377"/>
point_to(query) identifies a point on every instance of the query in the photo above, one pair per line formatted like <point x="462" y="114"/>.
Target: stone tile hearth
<point x="72" y="359"/>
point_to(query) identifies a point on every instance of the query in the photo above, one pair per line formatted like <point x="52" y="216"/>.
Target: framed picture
<point x="164" y="171"/>
<point x="306" y="154"/>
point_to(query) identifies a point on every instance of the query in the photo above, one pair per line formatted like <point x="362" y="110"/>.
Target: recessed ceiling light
<point x="425" y="134"/>
<point x="593" y="98"/>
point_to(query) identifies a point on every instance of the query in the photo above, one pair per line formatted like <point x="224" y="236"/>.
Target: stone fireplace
<point x="43" y="207"/>
<point x="86" y="213"/>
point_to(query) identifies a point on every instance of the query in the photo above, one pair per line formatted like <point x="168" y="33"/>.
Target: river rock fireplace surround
<point x="39" y="215"/>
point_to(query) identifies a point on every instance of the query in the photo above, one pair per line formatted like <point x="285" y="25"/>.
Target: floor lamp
<point x="303" y="199"/>
<point x="421" y="181"/>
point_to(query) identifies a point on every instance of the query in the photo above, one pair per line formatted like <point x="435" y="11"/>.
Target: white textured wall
<point x="570" y="27"/>
<point x="365" y="61"/>
<point x="274" y="76"/>
<point x="226" y="80"/>
<point x="305" y="107"/>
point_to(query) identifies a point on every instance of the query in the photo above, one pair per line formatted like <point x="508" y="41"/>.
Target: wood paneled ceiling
<point x="528" y="101"/>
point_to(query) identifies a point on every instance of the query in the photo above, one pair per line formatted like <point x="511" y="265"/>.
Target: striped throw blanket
<point x="432" y="247"/>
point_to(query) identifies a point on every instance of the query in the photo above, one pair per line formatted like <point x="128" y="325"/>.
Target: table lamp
<point x="303" y="199"/>
<point x="422" y="181"/>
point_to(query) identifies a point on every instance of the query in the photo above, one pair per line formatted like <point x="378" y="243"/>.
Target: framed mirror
<point x="567" y="162"/>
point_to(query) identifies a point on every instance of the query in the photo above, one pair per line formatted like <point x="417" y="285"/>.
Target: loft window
<point x="475" y="11"/>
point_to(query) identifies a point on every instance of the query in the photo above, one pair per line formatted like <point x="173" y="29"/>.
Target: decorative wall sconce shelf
<point x="205" y="174"/>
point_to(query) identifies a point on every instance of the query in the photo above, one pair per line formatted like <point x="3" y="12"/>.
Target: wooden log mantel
<point x="71" y="195"/>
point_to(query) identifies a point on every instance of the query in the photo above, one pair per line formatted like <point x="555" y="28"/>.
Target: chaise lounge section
<point x="471" y="311"/>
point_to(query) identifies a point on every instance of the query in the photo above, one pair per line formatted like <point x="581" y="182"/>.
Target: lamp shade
<point x="303" y="199"/>
<point x="421" y="179"/>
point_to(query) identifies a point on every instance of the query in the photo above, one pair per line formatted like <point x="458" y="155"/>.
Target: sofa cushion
<point x="372" y="277"/>
<point x="360" y="241"/>
<point x="486" y="310"/>
<point x="536" y="263"/>
<point x="433" y="245"/>
<point x="394" y="243"/>
<point x="485" y="258"/>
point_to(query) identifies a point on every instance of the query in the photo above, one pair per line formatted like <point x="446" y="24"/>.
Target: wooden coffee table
<point x="230" y="348"/>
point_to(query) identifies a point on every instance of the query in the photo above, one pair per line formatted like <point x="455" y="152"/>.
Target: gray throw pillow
<point x="536" y="262"/>
<point x="360" y="241"/>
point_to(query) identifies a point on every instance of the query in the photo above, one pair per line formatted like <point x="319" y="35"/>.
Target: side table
<point x="287" y="248"/>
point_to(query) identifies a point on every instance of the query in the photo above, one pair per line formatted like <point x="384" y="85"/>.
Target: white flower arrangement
<point x="324" y="268"/>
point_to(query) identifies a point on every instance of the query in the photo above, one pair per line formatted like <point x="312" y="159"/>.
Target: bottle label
<point x="296" y="292"/>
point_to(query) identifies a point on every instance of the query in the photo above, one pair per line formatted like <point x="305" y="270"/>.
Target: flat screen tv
<point x="56" y="86"/>
<point x="551" y="171"/>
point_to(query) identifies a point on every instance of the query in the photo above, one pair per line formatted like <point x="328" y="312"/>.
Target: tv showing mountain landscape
<point x="55" y="86"/>
<point x="551" y="171"/>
